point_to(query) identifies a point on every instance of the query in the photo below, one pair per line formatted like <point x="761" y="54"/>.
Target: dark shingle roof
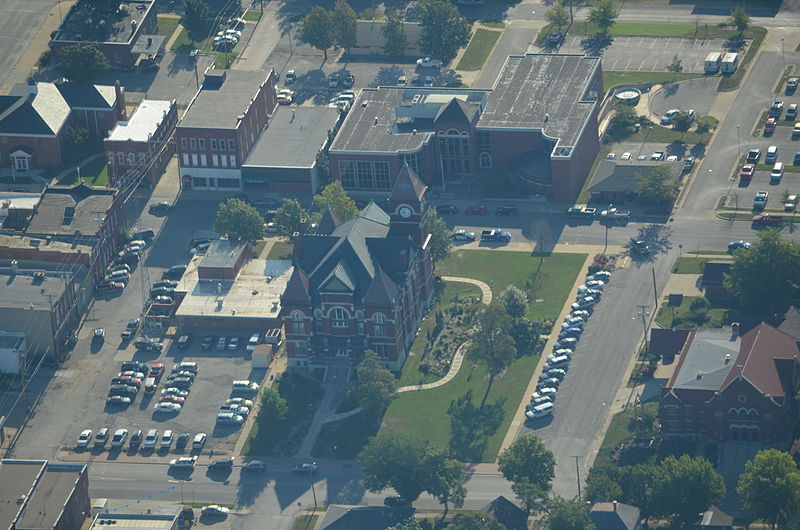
<point x="363" y="517"/>
<point x="382" y="290"/>
<point x="328" y="223"/>
<point x="614" y="177"/>
<point x="668" y="341"/>
<point x="505" y="512"/>
<point x="297" y="287"/>
<point x="456" y="111"/>
<point x="88" y="96"/>
<point x="614" y="516"/>
<point x="714" y="272"/>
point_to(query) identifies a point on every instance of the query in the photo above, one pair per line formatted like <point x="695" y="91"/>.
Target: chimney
<point x="727" y="358"/>
<point x="615" y="505"/>
<point x="123" y="112"/>
<point x="734" y="330"/>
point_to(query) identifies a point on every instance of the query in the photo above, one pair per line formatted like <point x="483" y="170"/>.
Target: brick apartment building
<point x="122" y="33"/>
<point x="537" y="125"/>
<point x="34" y="119"/>
<point x="362" y="284"/>
<point x="221" y="125"/>
<point x="141" y="145"/>
<point x="728" y="386"/>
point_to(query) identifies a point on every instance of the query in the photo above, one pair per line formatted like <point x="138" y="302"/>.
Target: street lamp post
<point x="738" y="143"/>
<point x="783" y="58"/>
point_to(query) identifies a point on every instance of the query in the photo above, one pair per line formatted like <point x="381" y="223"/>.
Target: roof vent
<point x="727" y="358"/>
<point x="699" y="375"/>
<point x="375" y="121"/>
<point x="546" y="118"/>
<point x="21" y="499"/>
<point x="413" y="131"/>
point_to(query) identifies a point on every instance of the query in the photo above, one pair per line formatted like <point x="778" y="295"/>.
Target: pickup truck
<point x="496" y="235"/>
<point x="614" y="214"/>
<point x="581" y="211"/>
<point x="767" y="219"/>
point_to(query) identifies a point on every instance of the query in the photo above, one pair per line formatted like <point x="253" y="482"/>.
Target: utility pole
<point x="643" y="313"/>
<point x="655" y="290"/>
<point x="578" y="474"/>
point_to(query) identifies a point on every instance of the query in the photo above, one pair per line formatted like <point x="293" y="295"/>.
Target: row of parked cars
<point x="555" y="369"/>
<point x="178" y="384"/>
<point x="140" y="440"/>
<point x="236" y="407"/>
<point x="478" y="209"/>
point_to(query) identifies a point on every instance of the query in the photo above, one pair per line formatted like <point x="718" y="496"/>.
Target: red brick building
<point x="141" y="145"/>
<point x="537" y="126"/>
<point x="221" y="125"/>
<point x="34" y="119"/>
<point x="731" y="387"/>
<point x="363" y="284"/>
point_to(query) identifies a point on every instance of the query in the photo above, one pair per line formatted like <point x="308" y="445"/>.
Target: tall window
<point x="141" y="158"/>
<point x="338" y="317"/>
<point x="184" y="144"/>
<point x="131" y="159"/>
<point x="193" y="143"/>
<point x="380" y="325"/>
<point x="485" y="160"/>
<point x="364" y="174"/>
<point x="382" y="175"/>
<point x="213" y="143"/>
<point x="297" y="323"/>
<point x="347" y="173"/>
<point x="111" y="159"/>
<point x="233" y="160"/>
<point x="222" y="144"/>
<point x="201" y="143"/>
<point x="414" y="161"/>
<point x="231" y="145"/>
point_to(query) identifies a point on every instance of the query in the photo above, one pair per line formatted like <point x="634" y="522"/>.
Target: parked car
<point x="208" y="341"/>
<point x="85" y="438"/>
<point x="477" y="209"/>
<point x="747" y="171"/>
<point x="157" y="371"/>
<point x="101" y="438"/>
<point x="735" y="245"/>
<point x="221" y="463"/>
<point x="167" y="407"/>
<point x="176" y="271"/>
<point x="603" y="276"/>
<point x="447" y="209"/>
<point x="182" y="441"/>
<point x="166" y="439"/>
<point x="463" y="235"/>
<point x="222" y="343"/>
<point x="240" y="401"/>
<point x="306" y="467"/>
<point x="172" y="398"/>
<point x="184" y="462"/>
<point x="98" y="335"/>
<point x="508" y="209"/>
<point x="427" y="62"/>
<point x="160" y="207"/>
<point x="668" y="116"/>
<point x="769" y="127"/>
<point x="214" y="510"/>
<point x="760" y="200"/>
<point x="290" y="77"/>
<point x="233" y="344"/>
<point x="172" y="391"/>
<point x="753" y="156"/>
<point x="199" y="441"/>
<point x="184" y="341"/>
<point x="136" y="440"/>
<point x="253" y="342"/>
<point x="151" y="439"/>
<point x="766" y="219"/>
<point x="118" y="400"/>
<point x="118" y="440"/>
<point x="254" y="465"/>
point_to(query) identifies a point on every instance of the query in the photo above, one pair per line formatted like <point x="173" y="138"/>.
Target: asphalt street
<point x="15" y="36"/>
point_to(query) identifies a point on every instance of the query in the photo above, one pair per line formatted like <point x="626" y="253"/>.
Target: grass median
<point x="478" y="50"/>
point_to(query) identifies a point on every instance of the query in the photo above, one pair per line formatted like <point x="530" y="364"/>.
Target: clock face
<point x="405" y="212"/>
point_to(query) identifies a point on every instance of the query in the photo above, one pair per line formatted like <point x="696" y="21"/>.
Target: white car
<point x="167" y="407"/>
<point x="427" y="62"/>
<point x="214" y="509"/>
<point x="202" y="247"/>
<point x="240" y="401"/>
<point x="85" y="438"/>
<point x="625" y="156"/>
<point x="118" y="440"/>
<point x="183" y="462"/>
<point x="151" y="439"/>
<point x="172" y="391"/>
<point x="580" y="313"/>
<point x="561" y="351"/>
<point x="604" y="276"/>
<point x="166" y="439"/>
<point x="575" y="321"/>
<point x="611" y="156"/>
<point x="199" y="440"/>
<point x="254" y="341"/>
<point x="544" y="392"/>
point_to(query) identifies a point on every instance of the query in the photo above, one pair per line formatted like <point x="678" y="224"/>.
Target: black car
<point x="135" y="366"/>
<point x="165" y="283"/>
<point x="160" y="207"/>
<point x="135" y="440"/>
<point x="127" y="258"/>
<point x="508" y="209"/>
<point x="184" y="341"/>
<point x="447" y="209"/>
<point x="183" y="383"/>
<point x="123" y="390"/>
<point x="182" y="441"/>
<point x="162" y="291"/>
<point x="148" y="345"/>
<point x="208" y="341"/>
<point x="144" y="234"/>
<point x="349" y="81"/>
<point x="640" y="247"/>
<point x="176" y="271"/>
<point x="222" y="463"/>
<point x="753" y="156"/>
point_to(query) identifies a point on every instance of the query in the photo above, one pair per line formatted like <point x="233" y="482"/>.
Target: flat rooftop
<point x="218" y="107"/>
<point x="223" y="253"/>
<point x="709" y="359"/>
<point x="134" y="521"/>
<point x="81" y="23"/>
<point x="48" y="500"/>
<point x="293" y="138"/>
<point x="543" y="91"/>
<point x="42" y="244"/>
<point x="65" y="210"/>
<point x="249" y="295"/>
<point x="16" y="479"/>
<point x="143" y="123"/>
<point x="22" y="290"/>
<point x="20" y="200"/>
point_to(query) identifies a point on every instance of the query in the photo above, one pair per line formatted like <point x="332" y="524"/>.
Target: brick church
<point x="363" y="284"/>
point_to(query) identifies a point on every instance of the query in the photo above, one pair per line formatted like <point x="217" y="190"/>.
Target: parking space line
<point x="641" y="65"/>
<point x="653" y="43"/>
<point x="629" y="63"/>
<point x="667" y="42"/>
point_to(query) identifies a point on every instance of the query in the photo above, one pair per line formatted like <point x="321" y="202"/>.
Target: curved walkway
<point x="458" y="358"/>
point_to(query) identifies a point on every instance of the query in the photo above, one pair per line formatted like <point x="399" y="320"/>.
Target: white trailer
<point x="729" y="63"/>
<point x="712" y="62"/>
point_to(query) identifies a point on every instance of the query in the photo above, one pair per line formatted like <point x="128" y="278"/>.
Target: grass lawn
<point x="167" y="25"/>
<point x="281" y="250"/>
<point x="664" y="135"/>
<point x="653" y="30"/>
<point x="94" y="174"/>
<point x="202" y="41"/>
<point x="620" y="77"/>
<point x="252" y="15"/>
<point x="476" y="432"/>
<point x="682" y="315"/>
<point x="619" y="431"/>
<point x="493" y="24"/>
<point x="480" y="46"/>
<point x="692" y="265"/>
<point x="305" y="521"/>
<point x="551" y="288"/>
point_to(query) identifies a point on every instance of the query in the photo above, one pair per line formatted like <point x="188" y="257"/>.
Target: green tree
<point x="557" y="16"/>
<point x="739" y="19"/>
<point x="570" y="4"/>
<point x="447" y="480"/>
<point x="563" y="514"/>
<point x="637" y="486"/>
<point x="603" y="15"/>
<point x="682" y="123"/>
<point x="657" y="185"/>
<point x="82" y="63"/>
<point x="444" y="30"/>
<point x="344" y="20"/>
<point x="394" y="31"/>
<point x="602" y="483"/>
<point x="770" y="488"/>
<point x="440" y="236"/>
<point x="376" y="386"/>
<point x="75" y="138"/>
<point x="334" y="197"/>
<point x="474" y="521"/>
<point x="685" y="486"/>
<point x="409" y="524"/>
<point x="236" y="218"/>
<point x="318" y="30"/>
<point x="515" y="302"/>
<point x="291" y="217"/>
<point x="765" y="278"/>
<point x="527" y="335"/>
<point x="491" y="343"/>
<point x="675" y="67"/>
<point x="323" y="166"/>
<point x="195" y="18"/>
<point x="532" y="497"/>
<point x="530" y="467"/>
<point x="622" y="122"/>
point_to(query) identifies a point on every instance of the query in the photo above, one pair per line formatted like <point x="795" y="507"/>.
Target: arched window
<point x="485" y="160"/>
<point x="298" y="328"/>
<point x="339" y="317"/>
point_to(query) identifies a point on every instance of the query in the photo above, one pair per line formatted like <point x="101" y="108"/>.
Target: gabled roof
<point x="363" y="517"/>
<point x="668" y="341"/>
<point x="508" y="514"/>
<point x="338" y="281"/>
<point x="297" y="286"/>
<point x="328" y="223"/>
<point x="456" y="111"/>
<point x="44" y="112"/>
<point x="614" y="516"/>
<point x="87" y="96"/>
<point x="407" y="187"/>
<point x="382" y="290"/>
<point x="714" y="271"/>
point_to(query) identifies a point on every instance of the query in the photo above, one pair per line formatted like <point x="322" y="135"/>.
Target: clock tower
<point x="408" y="207"/>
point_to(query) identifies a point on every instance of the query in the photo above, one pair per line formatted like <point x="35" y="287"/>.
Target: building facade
<point x="141" y="146"/>
<point x="221" y="125"/>
<point x="536" y="128"/>
<point x="731" y="387"/>
<point x="360" y="285"/>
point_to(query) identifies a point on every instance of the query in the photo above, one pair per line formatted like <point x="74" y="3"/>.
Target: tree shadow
<point x="387" y="76"/>
<point x="472" y="425"/>
<point x="596" y="44"/>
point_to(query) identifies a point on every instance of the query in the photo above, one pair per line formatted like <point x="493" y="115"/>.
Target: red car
<point x="110" y="287"/>
<point x="767" y="219"/>
<point x="747" y="171"/>
<point x="769" y="127"/>
<point x="157" y="370"/>
<point x="169" y="398"/>
<point x="477" y="209"/>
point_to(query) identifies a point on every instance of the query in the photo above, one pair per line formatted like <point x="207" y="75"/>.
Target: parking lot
<point x="697" y="93"/>
<point x="648" y="54"/>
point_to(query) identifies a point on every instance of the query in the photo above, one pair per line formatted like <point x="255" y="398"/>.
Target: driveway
<point x="731" y="458"/>
<point x="698" y="93"/>
<point x="647" y="54"/>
